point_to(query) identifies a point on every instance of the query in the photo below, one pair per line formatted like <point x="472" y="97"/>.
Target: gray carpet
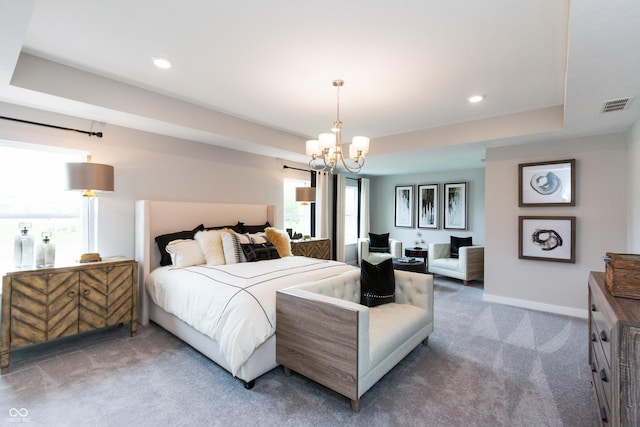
<point x="486" y="365"/>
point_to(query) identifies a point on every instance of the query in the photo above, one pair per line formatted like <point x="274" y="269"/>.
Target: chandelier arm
<point x="356" y="169"/>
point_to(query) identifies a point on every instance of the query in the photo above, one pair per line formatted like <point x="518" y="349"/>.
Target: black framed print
<point x="404" y="206"/>
<point x="428" y="206"/>
<point x="455" y="206"/>
<point x="547" y="238"/>
<point x="547" y="183"/>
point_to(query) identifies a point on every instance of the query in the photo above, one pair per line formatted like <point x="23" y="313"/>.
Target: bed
<point x="246" y="351"/>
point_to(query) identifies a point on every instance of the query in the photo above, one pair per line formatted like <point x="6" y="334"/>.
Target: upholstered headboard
<point x="154" y="218"/>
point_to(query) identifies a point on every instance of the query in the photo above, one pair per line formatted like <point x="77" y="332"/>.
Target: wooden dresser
<point x="614" y="355"/>
<point x="47" y="303"/>
<point x="312" y="248"/>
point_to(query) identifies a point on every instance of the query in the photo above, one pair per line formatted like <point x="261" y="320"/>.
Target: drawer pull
<point x="603" y="375"/>
<point x="594" y="337"/>
<point x="71" y="294"/>
<point x="594" y="368"/>
<point x="603" y="336"/>
<point x="86" y="292"/>
<point x="603" y="414"/>
<point x="593" y="307"/>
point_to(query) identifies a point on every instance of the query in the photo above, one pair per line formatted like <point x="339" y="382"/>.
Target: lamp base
<point x="90" y="257"/>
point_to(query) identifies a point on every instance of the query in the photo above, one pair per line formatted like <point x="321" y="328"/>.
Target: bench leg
<point x="425" y="341"/>
<point x="465" y="282"/>
<point x="355" y="405"/>
<point x="287" y="371"/>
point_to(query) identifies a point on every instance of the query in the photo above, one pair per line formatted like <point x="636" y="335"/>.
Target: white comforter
<point x="234" y="304"/>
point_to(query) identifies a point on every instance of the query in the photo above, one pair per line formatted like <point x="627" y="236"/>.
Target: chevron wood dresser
<point x="43" y="304"/>
<point x="312" y="248"/>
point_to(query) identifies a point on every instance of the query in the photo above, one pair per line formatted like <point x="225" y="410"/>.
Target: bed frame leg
<point x="249" y="384"/>
<point x="355" y="405"/>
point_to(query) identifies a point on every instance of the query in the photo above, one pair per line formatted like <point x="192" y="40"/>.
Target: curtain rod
<point x="298" y="169"/>
<point x="98" y="134"/>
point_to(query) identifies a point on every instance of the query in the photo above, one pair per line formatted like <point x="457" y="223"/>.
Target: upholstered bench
<point x="323" y="333"/>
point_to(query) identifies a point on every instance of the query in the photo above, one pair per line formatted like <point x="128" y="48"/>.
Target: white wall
<point x="601" y="222"/>
<point x="382" y="206"/>
<point x="633" y="160"/>
<point x="150" y="166"/>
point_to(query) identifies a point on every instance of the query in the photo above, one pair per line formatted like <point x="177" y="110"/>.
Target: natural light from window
<point x="351" y="213"/>
<point x="32" y="191"/>
<point x="296" y="215"/>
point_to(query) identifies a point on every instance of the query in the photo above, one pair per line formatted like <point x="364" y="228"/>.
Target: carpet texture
<point x="486" y="365"/>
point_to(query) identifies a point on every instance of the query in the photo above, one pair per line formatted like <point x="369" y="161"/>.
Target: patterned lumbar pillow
<point x="377" y="283"/>
<point x="259" y="251"/>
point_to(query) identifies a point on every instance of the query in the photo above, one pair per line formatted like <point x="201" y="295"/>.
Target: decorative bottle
<point x="23" y="247"/>
<point x="46" y="251"/>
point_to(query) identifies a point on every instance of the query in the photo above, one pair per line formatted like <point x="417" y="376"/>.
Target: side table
<point x="312" y="248"/>
<point x="418" y="253"/>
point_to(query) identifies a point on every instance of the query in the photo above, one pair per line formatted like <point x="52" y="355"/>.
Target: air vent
<point x="615" y="105"/>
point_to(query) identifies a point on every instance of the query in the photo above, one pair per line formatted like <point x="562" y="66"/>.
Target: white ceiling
<point x="256" y="76"/>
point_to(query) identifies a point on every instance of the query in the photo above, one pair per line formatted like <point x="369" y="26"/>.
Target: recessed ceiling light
<point x="475" y="98"/>
<point x="161" y="62"/>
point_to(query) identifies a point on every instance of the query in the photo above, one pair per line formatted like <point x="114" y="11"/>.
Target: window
<point x="32" y="191"/>
<point x="351" y="212"/>
<point x="296" y="215"/>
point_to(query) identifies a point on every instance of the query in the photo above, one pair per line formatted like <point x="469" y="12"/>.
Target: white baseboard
<point x="539" y="306"/>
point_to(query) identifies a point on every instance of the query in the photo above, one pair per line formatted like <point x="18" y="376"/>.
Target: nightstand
<point x="312" y="248"/>
<point x="42" y="304"/>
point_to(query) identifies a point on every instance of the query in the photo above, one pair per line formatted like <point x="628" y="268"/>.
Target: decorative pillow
<point x="377" y="283"/>
<point x="231" y="246"/>
<point x="259" y="251"/>
<point x="163" y="241"/>
<point x="260" y="237"/>
<point x="254" y="228"/>
<point x="185" y="253"/>
<point x="280" y="240"/>
<point x="378" y="242"/>
<point x="458" y="242"/>
<point x="210" y="242"/>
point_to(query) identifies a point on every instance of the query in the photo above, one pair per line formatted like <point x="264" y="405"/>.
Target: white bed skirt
<point x="261" y="361"/>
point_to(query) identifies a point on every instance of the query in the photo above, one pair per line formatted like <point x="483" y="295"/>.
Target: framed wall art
<point x="547" y="183"/>
<point x="428" y="206"/>
<point x="404" y="206"/>
<point x="548" y="238"/>
<point x="455" y="206"/>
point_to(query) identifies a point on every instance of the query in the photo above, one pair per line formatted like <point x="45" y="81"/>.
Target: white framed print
<point x="455" y="206"/>
<point x="404" y="206"/>
<point x="428" y="206"/>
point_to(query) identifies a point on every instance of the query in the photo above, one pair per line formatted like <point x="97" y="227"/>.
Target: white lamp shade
<point x="89" y="176"/>
<point x="313" y="147"/>
<point x="305" y="194"/>
<point x="360" y="143"/>
<point x="327" y="140"/>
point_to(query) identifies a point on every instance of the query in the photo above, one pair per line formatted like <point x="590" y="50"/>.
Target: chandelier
<point x="327" y="150"/>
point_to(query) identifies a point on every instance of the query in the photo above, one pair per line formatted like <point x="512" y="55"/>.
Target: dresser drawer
<point x="602" y="388"/>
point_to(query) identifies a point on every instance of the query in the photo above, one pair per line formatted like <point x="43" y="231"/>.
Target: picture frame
<point x="550" y="183"/>
<point x="404" y="206"/>
<point x="455" y="206"/>
<point x="428" y="206"/>
<point x="547" y="238"/>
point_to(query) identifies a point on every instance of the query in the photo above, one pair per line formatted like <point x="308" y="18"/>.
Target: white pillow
<point x="185" y="253"/>
<point x="210" y="242"/>
<point x="259" y="237"/>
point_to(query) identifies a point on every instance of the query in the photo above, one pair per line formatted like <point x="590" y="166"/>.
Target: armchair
<point x="468" y="266"/>
<point x="326" y="335"/>
<point x="395" y="249"/>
